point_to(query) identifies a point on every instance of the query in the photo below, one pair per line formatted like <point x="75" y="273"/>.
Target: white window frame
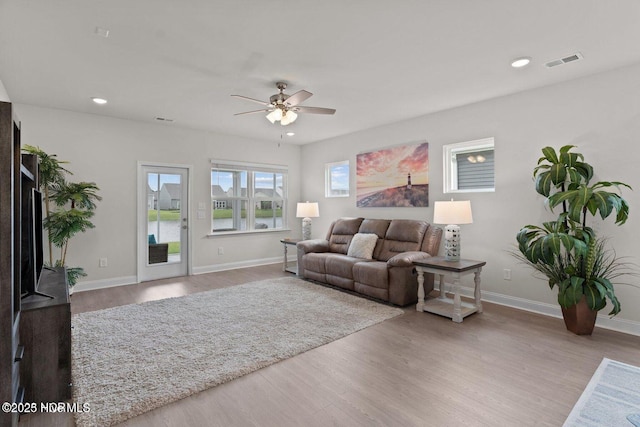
<point x="450" y="166"/>
<point x="251" y="169"/>
<point x="328" y="190"/>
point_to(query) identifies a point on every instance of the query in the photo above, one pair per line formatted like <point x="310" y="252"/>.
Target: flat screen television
<point x="32" y="245"/>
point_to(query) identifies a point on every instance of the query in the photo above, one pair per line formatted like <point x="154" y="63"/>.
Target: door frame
<point x="142" y="208"/>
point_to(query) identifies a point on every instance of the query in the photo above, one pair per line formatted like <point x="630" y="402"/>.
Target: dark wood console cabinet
<point x="11" y="350"/>
<point x="45" y="330"/>
<point x="35" y="332"/>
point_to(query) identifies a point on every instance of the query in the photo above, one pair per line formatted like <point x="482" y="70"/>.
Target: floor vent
<point x="571" y="58"/>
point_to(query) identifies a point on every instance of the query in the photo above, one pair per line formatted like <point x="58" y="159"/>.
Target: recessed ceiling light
<point x="102" y="32"/>
<point x="521" y="62"/>
<point x="290" y="133"/>
<point x="100" y="101"/>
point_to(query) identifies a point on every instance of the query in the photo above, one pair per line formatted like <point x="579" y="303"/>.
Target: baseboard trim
<point x="553" y="310"/>
<point x="91" y="285"/>
<point x="234" y="265"/>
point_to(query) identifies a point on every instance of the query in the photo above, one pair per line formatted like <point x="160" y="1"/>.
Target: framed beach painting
<point x="393" y="177"/>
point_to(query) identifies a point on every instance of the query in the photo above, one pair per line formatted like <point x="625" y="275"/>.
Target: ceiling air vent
<point x="164" y="119"/>
<point x="565" y="60"/>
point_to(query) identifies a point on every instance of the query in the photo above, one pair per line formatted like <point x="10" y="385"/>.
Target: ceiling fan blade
<point x="251" y="99"/>
<point x="314" y="110"/>
<point x="254" y="111"/>
<point x="297" y="98"/>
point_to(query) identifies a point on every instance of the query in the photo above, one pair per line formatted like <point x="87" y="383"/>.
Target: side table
<point x="285" y="265"/>
<point x="453" y="308"/>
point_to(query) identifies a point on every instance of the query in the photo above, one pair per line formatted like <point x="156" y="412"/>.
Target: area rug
<point x="612" y="397"/>
<point x="131" y="359"/>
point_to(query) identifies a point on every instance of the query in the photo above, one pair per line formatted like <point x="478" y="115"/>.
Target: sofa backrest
<point x="378" y="227"/>
<point x="394" y="236"/>
<point x="403" y="235"/>
<point x="341" y="232"/>
<point x="431" y="241"/>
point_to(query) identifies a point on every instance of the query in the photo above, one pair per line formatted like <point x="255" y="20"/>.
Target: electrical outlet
<point x="220" y="250"/>
<point x="506" y="274"/>
<point x="103" y="262"/>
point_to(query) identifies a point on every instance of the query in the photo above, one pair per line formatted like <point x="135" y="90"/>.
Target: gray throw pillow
<point x="362" y="245"/>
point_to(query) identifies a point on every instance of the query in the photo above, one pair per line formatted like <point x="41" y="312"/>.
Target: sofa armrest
<point x="314" y="245"/>
<point x="306" y="247"/>
<point x="406" y="259"/>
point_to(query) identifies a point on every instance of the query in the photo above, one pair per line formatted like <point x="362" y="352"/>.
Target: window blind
<point x="230" y="165"/>
<point x="475" y="170"/>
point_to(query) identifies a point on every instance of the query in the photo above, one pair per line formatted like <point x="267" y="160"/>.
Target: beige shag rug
<point x="131" y="359"/>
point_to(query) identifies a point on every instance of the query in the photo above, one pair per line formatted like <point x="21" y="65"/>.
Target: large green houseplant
<point x="566" y="250"/>
<point x="69" y="207"/>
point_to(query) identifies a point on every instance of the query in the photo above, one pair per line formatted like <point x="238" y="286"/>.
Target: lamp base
<point x="306" y="228"/>
<point x="452" y="243"/>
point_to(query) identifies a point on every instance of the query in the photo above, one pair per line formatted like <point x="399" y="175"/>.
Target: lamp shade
<point x="452" y="212"/>
<point x="275" y="115"/>
<point x="288" y="118"/>
<point x="307" y="210"/>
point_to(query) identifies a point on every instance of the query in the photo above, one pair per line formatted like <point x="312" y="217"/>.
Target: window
<point x="336" y="179"/>
<point x="248" y="197"/>
<point x="469" y="166"/>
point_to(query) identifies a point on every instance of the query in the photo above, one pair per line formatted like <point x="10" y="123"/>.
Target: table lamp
<point x="452" y="213"/>
<point x="306" y="211"/>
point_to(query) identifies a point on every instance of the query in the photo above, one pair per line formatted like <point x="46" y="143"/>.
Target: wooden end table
<point x="285" y="264"/>
<point x="453" y="308"/>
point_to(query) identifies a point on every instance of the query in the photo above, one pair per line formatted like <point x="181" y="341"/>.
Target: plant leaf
<point x="550" y="154"/>
<point x="543" y="183"/>
<point x="558" y="173"/>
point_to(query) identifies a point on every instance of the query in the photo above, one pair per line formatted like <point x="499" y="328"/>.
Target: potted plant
<point x="568" y="252"/>
<point x="68" y="208"/>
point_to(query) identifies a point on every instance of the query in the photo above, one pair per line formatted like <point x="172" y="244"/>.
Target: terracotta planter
<point x="580" y="319"/>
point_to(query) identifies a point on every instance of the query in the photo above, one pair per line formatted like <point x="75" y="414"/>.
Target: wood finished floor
<point x="504" y="367"/>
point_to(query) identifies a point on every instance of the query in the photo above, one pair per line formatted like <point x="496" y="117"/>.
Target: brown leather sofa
<point x="389" y="275"/>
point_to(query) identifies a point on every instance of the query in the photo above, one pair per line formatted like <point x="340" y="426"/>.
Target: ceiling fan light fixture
<point x="285" y="108"/>
<point x="275" y="115"/>
<point x="288" y="118"/>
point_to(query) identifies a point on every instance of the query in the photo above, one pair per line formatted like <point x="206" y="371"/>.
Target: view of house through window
<point x="469" y="166"/>
<point x="247" y="197"/>
<point x="164" y="195"/>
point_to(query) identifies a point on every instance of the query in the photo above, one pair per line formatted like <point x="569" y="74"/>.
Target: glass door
<point x="163" y="222"/>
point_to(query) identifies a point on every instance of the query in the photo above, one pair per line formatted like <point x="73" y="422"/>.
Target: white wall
<point x="599" y="114"/>
<point x="3" y="93"/>
<point x="106" y="150"/>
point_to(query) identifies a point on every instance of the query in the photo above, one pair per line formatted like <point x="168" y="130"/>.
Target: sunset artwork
<point x="393" y="177"/>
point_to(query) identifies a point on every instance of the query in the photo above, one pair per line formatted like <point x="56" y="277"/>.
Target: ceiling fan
<point x="284" y="108"/>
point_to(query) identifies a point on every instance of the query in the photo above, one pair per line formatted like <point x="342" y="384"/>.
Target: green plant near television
<point x="568" y="252"/>
<point x="69" y="207"/>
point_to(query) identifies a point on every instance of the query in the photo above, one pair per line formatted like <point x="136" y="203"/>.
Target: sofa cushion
<point x="340" y="265"/>
<point x="373" y="273"/>
<point x="362" y="245"/>
<point x="341" y="234"/>
<point x="402" y="236"/>
<point x="379" y="228"/>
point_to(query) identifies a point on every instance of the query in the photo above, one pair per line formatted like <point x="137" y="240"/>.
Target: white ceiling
<point x="376" y="62"/>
